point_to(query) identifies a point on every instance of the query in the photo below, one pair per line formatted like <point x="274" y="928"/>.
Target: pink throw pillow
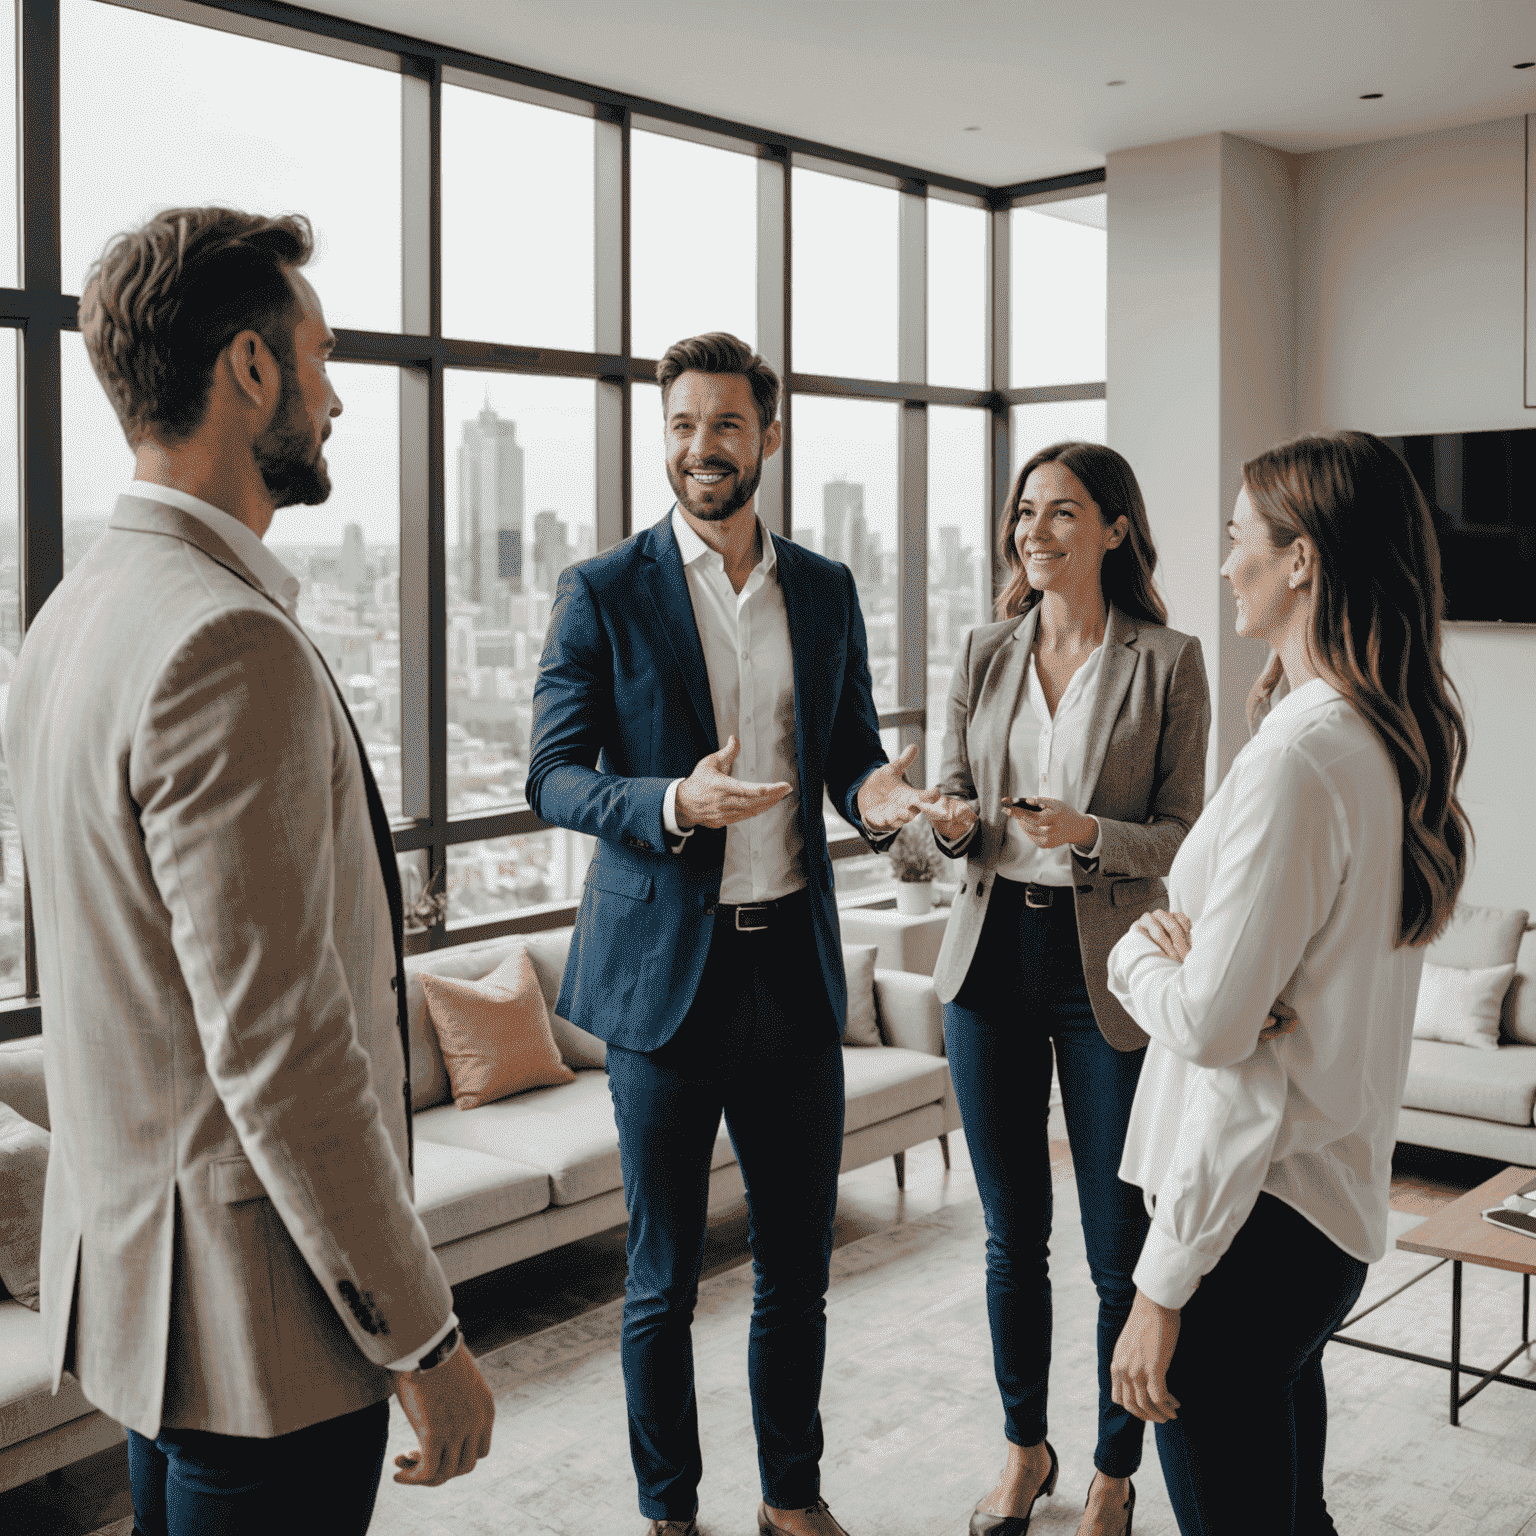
<point x="494" y="1033"/>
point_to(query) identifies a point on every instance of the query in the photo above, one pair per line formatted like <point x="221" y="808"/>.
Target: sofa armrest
<point x="911" y="1014"/>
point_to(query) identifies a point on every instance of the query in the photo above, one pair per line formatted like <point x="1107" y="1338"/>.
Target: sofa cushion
<point x="21" y="1079"/>
<point x="27" y="1407"/>
<point x="1520" y="1000"/>
<point x="863" y="1023"/>
<point x="1461" y="1007"/>
<point x="1477" y="937"/>
<point x="23" y="1172"/>
<point x="494" y="1032"/>
<point x="549" y="952"/>
<point x="1483" y="1085"/>
<point x="460" y="1192"/>
<point x="883" y="1084"/>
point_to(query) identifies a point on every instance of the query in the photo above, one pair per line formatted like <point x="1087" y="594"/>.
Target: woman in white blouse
<point x="1330" y="855"/>
<point x="1074" y="765"/>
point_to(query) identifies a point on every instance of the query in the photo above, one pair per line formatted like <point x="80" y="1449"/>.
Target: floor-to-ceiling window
<point x="504" y="256"/>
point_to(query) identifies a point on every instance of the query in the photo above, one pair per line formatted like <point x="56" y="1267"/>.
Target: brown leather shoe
<point x="826" y="1524"/>
<point x="673" y="1528"/>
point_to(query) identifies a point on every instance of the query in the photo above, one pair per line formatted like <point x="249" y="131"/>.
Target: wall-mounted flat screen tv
<point x="1481" y="487"/>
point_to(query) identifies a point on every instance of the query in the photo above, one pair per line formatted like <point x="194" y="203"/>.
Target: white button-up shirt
<point x="283" y="585"/>
<point x="1046" y="757"/>
<point x="751" y="667"/>
<point x="1293" y="879"/>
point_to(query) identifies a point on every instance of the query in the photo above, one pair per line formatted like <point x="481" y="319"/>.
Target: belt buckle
<point x="1036" y="906"/>
<point x="757" y="908"/>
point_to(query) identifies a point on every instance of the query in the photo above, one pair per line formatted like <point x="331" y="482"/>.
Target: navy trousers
<point x="1023" y="994"/>
<point x="1246" y="1450"/>
<point x="318" y="1481"/>
<point x="759" y="1046"/>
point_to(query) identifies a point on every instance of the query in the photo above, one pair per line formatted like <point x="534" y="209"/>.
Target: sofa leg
<point x="944" y="1148"/>
<point x="900" y="1159"/>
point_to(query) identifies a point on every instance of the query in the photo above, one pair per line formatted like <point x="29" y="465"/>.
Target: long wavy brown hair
<point x="1126" y="576"/>
<point x="1376" y="629"/>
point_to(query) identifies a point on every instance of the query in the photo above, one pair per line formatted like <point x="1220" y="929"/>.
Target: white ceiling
<point x="905" y="79"/>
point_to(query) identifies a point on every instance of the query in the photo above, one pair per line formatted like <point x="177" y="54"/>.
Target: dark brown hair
<point x="165" y="300"/>
<point x="720" y="352"/>
<point x="1126" y="575"/>
<point x="1376" y="628"/>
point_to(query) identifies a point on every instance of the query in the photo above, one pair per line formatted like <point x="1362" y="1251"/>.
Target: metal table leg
<point x="1456" y="1341"/>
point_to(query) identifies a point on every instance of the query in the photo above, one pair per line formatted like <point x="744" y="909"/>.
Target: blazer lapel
<point x="803" y="648"/>
<point x="1000" y="699"/>
<point x="1115" y="673"/>
<point x="667" y="584"/>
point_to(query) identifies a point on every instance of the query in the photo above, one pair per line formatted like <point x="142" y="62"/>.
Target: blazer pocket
<point x="1129" y="893"/>
<point x="633" y="883"/>
<point x="235" y="1180"/>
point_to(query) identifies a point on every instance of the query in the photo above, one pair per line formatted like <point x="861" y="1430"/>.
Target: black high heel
<point x="984" y="1523"/>
<point x="1129" y="1506"/>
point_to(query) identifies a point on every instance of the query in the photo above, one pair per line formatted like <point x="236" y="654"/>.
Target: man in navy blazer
<point x="700" y="685"/>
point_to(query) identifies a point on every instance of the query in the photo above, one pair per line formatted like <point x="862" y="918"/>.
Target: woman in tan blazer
<point x="1074" y="765"/>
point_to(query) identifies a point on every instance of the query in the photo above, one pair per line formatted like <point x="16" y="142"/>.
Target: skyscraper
<point x="490" y="509"/>
<point x="354" y="560"/>
<point x="842" y="504"/>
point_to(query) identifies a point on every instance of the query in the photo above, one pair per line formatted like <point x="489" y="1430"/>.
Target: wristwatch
<point x="439" y="1351"/>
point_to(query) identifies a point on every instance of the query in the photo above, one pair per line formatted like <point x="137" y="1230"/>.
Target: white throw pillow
<point x="863" y="1026"/>
<point x="1461" y="1007"/>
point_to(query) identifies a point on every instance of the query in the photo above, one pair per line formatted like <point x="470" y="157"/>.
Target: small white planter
<point x="914" y="897"/>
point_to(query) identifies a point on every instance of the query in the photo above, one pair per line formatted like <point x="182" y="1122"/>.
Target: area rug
<point x="913" y="1429"/>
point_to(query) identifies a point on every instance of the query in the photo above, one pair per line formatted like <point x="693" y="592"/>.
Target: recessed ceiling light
<point x="1529" y="64"/>
<point x="1114" y="82"/>
<point x="1371" y="96"/>
<point x="974" y="128"/>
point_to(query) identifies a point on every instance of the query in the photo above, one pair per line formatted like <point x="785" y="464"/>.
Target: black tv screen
<point x="1481" y="487"/>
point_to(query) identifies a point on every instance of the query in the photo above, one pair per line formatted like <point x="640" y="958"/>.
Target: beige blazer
<point x="1144" y="769"/>
<point x="229" y="1240"/>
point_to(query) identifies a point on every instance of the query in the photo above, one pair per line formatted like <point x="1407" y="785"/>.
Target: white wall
<point x="1410" y="306"/>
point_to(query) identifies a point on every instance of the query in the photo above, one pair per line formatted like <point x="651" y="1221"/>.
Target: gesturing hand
<point x="951" y="818"/>
<point x="1138" y="1373"/>
<point x="710" y="797"/>
<point x="887" y="801"/>
<point x="1054" y="824"/>
<point x="451" y="1409"/>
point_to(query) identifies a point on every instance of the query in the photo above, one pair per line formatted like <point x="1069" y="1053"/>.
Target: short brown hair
<point x="164" y="300"/>
<point x="720" y="352"/>
<point x="1126" y="575"/>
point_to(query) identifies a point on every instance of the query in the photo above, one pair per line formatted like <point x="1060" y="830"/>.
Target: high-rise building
<point x="552" y="551"/>
<point x="490" y="509"/>
<point x="354" y="560"/>
<point x="842" y="505"/>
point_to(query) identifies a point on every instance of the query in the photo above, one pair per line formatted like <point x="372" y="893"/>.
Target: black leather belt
<point x="755" y="916"/>
<point x="1037" y="897"/>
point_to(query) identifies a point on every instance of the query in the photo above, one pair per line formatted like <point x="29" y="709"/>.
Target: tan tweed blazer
<point x="1145" y="768"/>
<point x="229" y="1240"/>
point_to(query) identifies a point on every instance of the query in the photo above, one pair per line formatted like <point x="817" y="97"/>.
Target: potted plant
<point x="914" y="862"/>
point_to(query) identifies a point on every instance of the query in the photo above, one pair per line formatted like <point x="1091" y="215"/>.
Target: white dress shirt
<point x="1293" y="879"/>
<point x="751" y="667"/>
<point x="277" y="579"/>
<point x="1046" y="757"/>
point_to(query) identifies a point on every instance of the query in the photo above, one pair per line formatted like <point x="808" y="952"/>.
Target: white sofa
<point x="502" y="1182"/>
<point x="1463" y="1099"/>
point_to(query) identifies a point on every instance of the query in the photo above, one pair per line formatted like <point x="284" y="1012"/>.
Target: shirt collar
<point x="259" y="560"/>
<point x="1311" y="695"/>
<point x="691" y="547"/>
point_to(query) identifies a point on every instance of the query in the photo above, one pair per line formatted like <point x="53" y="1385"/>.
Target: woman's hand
<point x="952" y="819"/>
<point x="1138" y="1373"/>
<point x="1054" y="824"/>
<point x="1282" y="1020"/>
<point x="1170" y="931"/>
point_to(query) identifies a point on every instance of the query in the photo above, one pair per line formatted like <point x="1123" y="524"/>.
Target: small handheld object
<point x="1023" y="805"/>
<point x="1517" y="1212"/>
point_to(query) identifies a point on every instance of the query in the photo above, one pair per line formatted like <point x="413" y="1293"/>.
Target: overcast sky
<point x="157" y="113"/>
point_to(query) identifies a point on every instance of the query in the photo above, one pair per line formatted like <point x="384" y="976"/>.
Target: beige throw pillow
<point x="23" y="1172"/>
<point x="494" y="1033"/>
<point x="863" y="1026"/>
<point x="1461" y="1007"/>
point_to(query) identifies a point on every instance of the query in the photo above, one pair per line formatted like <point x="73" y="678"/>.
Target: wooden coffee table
<point x="1458" y="1235"/>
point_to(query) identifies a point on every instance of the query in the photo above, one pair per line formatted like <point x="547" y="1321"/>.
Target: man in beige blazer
<point x="232" y="1265"/>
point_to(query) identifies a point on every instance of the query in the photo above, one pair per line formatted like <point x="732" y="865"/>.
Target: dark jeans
<point x="1246" y="1450"/>
<point x="318" y="1481"/>
<point x="1024" y="992"/>
<point x="760" y="1046"/>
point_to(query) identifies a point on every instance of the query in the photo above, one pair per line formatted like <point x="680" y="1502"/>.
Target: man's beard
<point x="291" y="462"/>
<point x="745" y="490"/>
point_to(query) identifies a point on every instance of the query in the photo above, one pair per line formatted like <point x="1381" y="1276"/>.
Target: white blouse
<point x="1047" y="757"/>
<point x="1293" y="879"/>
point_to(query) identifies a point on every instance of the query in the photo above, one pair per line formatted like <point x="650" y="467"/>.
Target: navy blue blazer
<point x="621" y="708"/>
